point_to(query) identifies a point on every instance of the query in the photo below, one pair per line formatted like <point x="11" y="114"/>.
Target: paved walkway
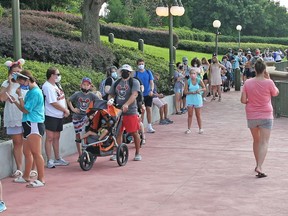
<point x="208" y="174"/>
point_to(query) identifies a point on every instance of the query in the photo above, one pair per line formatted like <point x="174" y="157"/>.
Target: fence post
<point x="111" y="37"/>
<point x="141" y="45"/>
<point x="174" y="54"/>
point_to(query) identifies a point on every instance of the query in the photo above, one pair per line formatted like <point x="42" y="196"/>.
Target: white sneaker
<point x="201" y="131"/>
<point x="113" y="158"/>
<point x="50" y="164"/>
<point x="137" y="157"/>
<point x="150" y="130"/>
<point x="188" y="131"/>
<point x="61" y="162"/>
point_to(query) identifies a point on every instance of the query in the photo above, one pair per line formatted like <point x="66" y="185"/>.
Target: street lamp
<point x="216" y="24"/>
<point x="170" y="8"/>
<point x="16" y="29"/>
<point x="239" y="28"/>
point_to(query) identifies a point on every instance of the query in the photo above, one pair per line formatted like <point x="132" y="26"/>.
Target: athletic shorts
<point x="260" y="123"/>
<point x="130" y="123"/>
<point x="33" y="128"/>
<point x="53" y="124"/>
<point x="159" y="102"/>
<point x="14" y="130"/>
<point x="148" y="101"/>
<point x="205" y="76"/>
<point x="178" y="90"/>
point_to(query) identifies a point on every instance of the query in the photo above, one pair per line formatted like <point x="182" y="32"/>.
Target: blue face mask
<point x="114" y="75"/>
<point x="24" y="87"/>
<point x="14" y="76"/>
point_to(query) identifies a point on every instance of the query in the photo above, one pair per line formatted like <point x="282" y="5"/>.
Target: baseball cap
<point x="86" y="79"/>
<point x="126" y="67"/>
<point x="214" y="54"/>
<point x="184" y="59"/>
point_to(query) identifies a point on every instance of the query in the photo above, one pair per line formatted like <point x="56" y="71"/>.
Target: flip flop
<point x="35" y="184"/>
<point x="17" y="173"/>
<point x="20" y="179"/>
<point x="261" y="175"/>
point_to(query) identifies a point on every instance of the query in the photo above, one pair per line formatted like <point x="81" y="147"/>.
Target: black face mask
<point x="181" y="68"/>
<point x="125" y="74"/>
<point x="85" y="90"/>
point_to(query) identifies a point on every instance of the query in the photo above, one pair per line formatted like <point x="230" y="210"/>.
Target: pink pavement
<point x="180" y="174"/>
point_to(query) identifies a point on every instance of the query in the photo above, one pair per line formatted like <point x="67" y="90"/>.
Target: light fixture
<point x="238" y="27"/>
<point x="216" y="24"/>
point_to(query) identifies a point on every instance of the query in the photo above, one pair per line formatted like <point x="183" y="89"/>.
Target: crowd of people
<point x="30" y="111"/>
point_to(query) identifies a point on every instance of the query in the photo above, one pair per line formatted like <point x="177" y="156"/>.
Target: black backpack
<point x="139" y="99"/>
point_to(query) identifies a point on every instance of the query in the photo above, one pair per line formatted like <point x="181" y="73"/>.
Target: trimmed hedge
<point x="40" y="46"/>
<point x="156" y="38"/>
<point x="209" y="47"/>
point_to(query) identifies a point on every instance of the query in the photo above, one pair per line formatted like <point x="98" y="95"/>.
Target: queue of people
<point x="31" y="118"/>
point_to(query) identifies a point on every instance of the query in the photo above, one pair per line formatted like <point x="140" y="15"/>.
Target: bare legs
<point x="177" y="102"/>
<point x="261" y="138"/>
<point x="198" y="117"/>
<point x="52" y="139"/>
<point x="18" y="149"/>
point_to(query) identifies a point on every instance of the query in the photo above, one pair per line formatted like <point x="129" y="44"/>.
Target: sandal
<point x="35" y="184"/>
<point x="17" y="173"/>
<point x="33" y="174"/>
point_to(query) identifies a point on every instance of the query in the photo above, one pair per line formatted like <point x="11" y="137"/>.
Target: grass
<point x="159" y="51"/>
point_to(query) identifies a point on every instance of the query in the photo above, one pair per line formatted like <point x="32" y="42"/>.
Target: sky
<point x="283" y="3"/>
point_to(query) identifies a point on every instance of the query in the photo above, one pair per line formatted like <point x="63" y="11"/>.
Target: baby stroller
<point x="92" y="147"/>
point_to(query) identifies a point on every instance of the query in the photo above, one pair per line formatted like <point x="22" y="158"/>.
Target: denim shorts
<point x="260" y="123"/>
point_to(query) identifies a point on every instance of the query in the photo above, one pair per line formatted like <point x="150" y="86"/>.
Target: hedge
<point x="156" y="38"/>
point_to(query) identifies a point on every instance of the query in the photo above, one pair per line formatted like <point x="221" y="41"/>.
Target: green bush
<point x="209" y="47"/>
<point x="156" y="38"/>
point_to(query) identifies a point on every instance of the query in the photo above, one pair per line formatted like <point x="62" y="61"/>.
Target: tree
<point x="140" y="18"/>
<point x="90" y="16"/>
<point x="118" y="12"/>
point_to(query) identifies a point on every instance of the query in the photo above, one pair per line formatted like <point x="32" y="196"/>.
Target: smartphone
<point x="10" y="98"/>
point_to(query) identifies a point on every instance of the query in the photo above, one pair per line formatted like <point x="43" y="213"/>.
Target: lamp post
<point x="170" y="8"/>
<point x="239" y="28"/>
<point x="16" y="29"/>
<point x="216" y="24"/>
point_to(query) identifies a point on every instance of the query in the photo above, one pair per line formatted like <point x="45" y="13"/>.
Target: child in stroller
<point x="100" y="139"/>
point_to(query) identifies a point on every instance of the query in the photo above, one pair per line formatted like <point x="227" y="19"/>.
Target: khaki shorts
<point x="260" y="123"/>
<point x="159" y="102"/>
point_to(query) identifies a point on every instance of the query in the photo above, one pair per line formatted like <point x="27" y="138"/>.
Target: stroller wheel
<point x="122" y="154"/>
<point x="87" y="160"/>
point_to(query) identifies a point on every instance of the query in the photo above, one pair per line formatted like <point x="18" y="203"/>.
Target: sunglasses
<point x="58" y="74"/>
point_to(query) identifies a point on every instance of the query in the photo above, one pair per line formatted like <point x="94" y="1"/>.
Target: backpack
<point x="102" y="87"/>
<point x="139" y="99"/>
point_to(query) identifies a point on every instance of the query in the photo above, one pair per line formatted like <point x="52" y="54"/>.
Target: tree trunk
<point x="90" y="23"/>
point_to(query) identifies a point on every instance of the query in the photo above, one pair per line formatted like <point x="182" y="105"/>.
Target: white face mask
<point x="58" y="79"/>
<point x="114" y="75"/>
<point x="195" y="65"/>
<point x="141" y="67"/>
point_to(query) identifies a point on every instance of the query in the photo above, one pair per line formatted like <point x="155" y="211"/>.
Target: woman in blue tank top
<point x="194" y="87"/>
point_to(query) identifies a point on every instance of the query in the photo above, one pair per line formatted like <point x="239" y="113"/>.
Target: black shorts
<point x="53" y="124"/>
<point x="205" y="76"/>
<point x="33" y="128"/>
<point x="148" y="101"/>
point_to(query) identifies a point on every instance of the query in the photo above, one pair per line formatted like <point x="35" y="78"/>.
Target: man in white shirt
<point x="55" y="110"/>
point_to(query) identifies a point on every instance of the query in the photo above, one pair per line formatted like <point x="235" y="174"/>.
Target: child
<point x="100" y="132"/>
<point x="79" y="103"/>
<point x="2" y="204"/>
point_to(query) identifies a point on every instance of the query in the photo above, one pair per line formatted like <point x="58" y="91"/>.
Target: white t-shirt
<point x="53" y="94"/>
<point x="12" y="115"/>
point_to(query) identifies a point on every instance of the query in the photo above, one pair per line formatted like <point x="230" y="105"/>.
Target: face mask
<point x="185" y="62"/>
<point x="193" y="76"/>
<point x="181" y="68"/>
<point x="85" y="90"/>
<point x="114" y="75"/>
<point x="141" y="67"/>
<point x="125" y="74"/>
<point x="58" y="79"/>
<point x="195" y="65"/>
<point x="14" y="76"/>
<point x="24" y="87"/>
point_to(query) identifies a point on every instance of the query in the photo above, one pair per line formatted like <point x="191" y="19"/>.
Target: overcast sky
<point x="283" y="3"/>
